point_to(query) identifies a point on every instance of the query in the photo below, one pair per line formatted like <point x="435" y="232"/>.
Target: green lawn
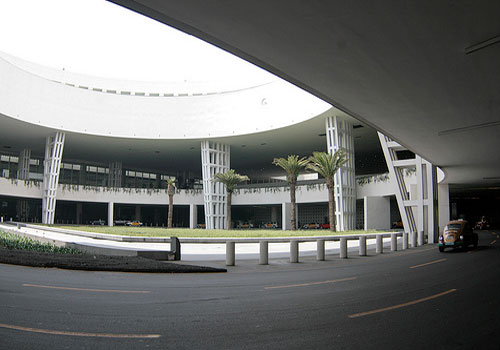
<point x="202" y="233"/>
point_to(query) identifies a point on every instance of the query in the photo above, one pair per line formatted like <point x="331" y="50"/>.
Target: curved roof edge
<point x="32" y="94"/>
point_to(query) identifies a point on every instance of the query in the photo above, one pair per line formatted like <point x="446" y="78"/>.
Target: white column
<point x="432" y="204"/>
<point x="23" y="166"/>
<point x="340" y="136"/>
<point x="444" y="205"/>
<point x="215" y="158"/>
<point x="111" y="207"/>
<point x="53" y="154"/>
<point x="285" y="216"/>
<point x="377" y="213"/>
<point x="420" y="193"/>
<point x="79" y="210"/>
<point x="115" y="174"/>
<point x="193" y="215"/>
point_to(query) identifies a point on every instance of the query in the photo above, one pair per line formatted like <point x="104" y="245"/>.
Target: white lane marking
<point x="402" y="305"/>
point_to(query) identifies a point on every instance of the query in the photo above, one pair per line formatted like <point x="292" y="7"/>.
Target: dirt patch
<point x="91" y="262"/>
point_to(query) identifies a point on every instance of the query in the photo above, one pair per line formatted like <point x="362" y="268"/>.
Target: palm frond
<point x="292" y="165"/>
<point x="230" y="179"/>
<point x="327" y="164"/>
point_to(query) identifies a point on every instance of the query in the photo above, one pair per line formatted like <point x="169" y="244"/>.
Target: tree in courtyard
<point x="292" y="165"/>
<point x="230" y="179"/>
<point x="171" y="192"/>
<point x="327" y="164"/>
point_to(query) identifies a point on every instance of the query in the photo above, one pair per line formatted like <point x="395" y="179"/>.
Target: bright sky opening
<point x="99" y="38"/>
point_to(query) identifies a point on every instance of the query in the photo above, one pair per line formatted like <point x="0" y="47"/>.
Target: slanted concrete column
<point x="111" y="207"/>
<point x="54" y="146"/>
<point x="362" y="246"/>
<point x="320" y="249"/>
<point x="263" y="253"/>
<point x="193" y="215"/>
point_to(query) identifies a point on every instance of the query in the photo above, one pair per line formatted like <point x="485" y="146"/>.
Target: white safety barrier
<point x="263" y="243"/>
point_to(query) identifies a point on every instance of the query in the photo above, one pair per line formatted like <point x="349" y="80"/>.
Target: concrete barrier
<point x="362" y="246"/>
<point x="320" y="250"/>
<point x="230" y="253"/>
<point x="379" y="244"/>
<point x="263" y="253"/>
<point x="343" y="248"/>
<point x="294" y="251"/>
<point x="231" y="243"/>
<point x="394" y="242"/>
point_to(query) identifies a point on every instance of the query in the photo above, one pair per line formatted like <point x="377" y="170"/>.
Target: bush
<point x="13" y="241"/>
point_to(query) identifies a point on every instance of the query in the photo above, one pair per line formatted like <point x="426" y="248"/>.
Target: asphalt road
<point x="412" y="299"/>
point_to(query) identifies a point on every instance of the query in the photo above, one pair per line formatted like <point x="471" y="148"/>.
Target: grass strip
<point x="202" y="233"/>
<point x="13" y="241"/>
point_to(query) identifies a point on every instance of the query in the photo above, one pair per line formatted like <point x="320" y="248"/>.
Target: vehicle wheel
<point x="441" y="249"/>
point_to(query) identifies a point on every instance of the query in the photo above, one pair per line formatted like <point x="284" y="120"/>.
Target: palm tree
<point x="292" y="165"/>
<point x="171" y="192"/>
<point x="327" y="164"/>
<point x="230" y="179"/>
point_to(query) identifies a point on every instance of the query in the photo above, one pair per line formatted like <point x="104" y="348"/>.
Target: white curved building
<point x="72" y="141"/>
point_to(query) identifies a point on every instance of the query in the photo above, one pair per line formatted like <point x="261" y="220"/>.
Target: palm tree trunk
<point x="292" y="207"/>
<point x="331" y="208"/>
<point x="228" y="216"/>
<point x="170" y="210"/>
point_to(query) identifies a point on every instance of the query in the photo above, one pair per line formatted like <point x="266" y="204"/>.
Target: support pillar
<point x="54" y="146"/>
<point x="138" y="212"/>
<point x="285" y="216"/>
<point x="23" y="166"/>
<point x="193" y="216"/>
<point x="115" y="174"/>
<point x="215" y="158"/>
<point x="339" y="133"/>
<point x="111" y="207"/>
<point x="79" y="211"/>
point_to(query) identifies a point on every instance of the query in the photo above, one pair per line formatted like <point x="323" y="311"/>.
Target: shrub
<point x="13" y="241"/>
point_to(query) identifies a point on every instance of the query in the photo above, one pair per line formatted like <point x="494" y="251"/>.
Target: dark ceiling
<point x="426" y="73"/>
